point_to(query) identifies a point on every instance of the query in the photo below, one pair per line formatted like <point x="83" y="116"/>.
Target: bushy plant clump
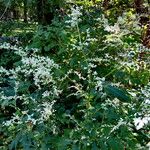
<point x="84" y="85"/>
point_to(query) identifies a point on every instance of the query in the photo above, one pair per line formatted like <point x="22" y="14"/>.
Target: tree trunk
<point x="14" y="13"/>
<point x="146" y="38"/>
<point x="138" y="6"/>
<point x="40" y="11"/>
<point x="25" y="11"/>
<point x="46" y="11"/>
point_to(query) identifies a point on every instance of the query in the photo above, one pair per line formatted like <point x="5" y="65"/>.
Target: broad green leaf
<point x="115" y="92"/>
<point x="115" y="144"/>
<point x="9" y="91"/>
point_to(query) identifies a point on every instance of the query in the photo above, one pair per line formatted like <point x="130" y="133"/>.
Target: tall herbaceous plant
<point x="88" y="90"/>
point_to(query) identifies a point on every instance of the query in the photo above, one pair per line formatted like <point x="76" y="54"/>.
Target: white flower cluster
<point x="40" y="67"/>
<point x="31" y="119"/>
<point x="75" y="16"/>
<point x="88" y="39"/>
<point x="144" y="113"/>
<point x="125" y="25"/>
<point x="113" y="29"/>
<point x="99" y="83"/>
<point x="4" y="71"/>
<point x="146" y="92"/>
<point x="128" y="21"/>
<point x="9" y="46"/>
<point x="46" y="111"/>
<point x="132" y="64"/>
<point x="109" y="28"/>
<point x="40" y="70"/>
<point x="14" y="120"/>
<point x="141" y="122"/>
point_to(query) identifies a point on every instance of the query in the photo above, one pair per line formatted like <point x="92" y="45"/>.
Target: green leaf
<point x="14" y="143"/>
<point x="75" y="147"/>
<point x="26" y="141"/>
<point x="9" y="91"/>
<point x="62" y="144"/>
<point x="94" y="146"/>
<point x="115" y="92"/>
<point x="115" y="144"/>
<point x="24" y="86"/>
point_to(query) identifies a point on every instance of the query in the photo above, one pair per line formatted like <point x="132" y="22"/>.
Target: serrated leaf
<point x="115" y="92"/>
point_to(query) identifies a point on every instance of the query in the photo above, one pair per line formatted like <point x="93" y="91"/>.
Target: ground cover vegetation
<point x="74" y="75"/>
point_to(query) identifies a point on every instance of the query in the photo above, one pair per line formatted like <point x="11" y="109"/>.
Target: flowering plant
<point x="91" y="93"/>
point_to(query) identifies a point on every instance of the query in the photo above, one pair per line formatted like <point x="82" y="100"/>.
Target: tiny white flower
<point x="113" y="29"/>
<point x="121" y="20"/>
<point x="75" y="16"/>
<point x="47" y="110"/>
<point x="141" y="122"/>
<point x="45" y="94"/>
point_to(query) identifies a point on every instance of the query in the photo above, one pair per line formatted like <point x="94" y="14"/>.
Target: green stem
<point x="112" y="71"/>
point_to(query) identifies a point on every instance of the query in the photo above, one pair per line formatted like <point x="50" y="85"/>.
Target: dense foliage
<point x="81" y="82"/>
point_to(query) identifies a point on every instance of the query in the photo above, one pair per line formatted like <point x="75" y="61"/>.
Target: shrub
<point x="87" y="95"/>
